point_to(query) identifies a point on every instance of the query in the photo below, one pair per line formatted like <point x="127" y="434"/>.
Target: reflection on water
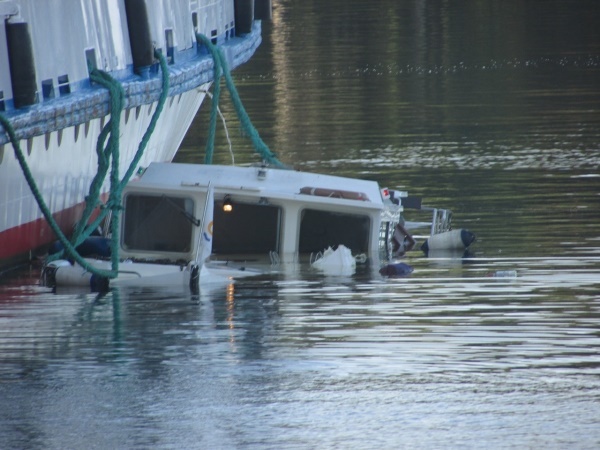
<point x="455" y="348"/>
<point x="465" y="84"/>
<point x="490" y="110"/>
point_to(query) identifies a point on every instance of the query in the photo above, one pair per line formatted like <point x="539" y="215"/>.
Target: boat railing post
<point x="434" y="221"/>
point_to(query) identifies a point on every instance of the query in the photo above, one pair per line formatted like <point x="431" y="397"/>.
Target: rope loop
<point x="220" y="69"/>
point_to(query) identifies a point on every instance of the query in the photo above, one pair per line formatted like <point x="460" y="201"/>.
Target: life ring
<point x="334" y="193"/>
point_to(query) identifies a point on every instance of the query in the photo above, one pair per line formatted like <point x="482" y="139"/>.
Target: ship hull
<point x="64" y="173"/>
<point x="58" y="135"/>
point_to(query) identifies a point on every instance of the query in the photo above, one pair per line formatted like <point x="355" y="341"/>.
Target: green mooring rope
<point x="107" y="150"/>
<point x="221" y="69"/>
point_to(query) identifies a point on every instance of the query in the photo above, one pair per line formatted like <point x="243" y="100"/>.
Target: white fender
<point x="447" y="240"/>
<point x="78" y="276"/>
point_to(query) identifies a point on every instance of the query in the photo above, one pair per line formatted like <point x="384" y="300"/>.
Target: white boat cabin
<point x="191" y="225"/>
<point x="261" y="214"/>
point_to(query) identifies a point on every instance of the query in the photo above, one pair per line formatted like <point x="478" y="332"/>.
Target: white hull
<point x="64" y="171"/>
<point x="59" y="132"/>
<point x="189" y="277"/>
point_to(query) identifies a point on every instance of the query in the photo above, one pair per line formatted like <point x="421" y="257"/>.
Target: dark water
<point x="489" y="108"/>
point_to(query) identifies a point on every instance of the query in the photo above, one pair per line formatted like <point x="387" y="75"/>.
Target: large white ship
<point x="49" y="50"/>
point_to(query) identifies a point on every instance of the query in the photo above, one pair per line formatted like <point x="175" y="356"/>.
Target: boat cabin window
<point x="246" y="229"/>
<point x="322" y="229"/>
<point x="158" y="223"/>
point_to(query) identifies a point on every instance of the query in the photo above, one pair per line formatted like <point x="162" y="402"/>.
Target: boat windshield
<point x="158" y="223"/>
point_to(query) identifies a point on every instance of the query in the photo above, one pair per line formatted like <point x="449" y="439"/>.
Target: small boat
<point x="190" y="224"/>
<point x="163" y="244"/>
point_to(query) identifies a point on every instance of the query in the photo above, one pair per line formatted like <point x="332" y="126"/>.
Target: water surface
<point x="487" y="108"/>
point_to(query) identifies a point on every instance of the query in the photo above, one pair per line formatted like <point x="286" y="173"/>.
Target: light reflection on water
<point x="467" y="156"/>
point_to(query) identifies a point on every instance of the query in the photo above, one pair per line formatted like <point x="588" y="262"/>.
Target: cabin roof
<point x="271" y="182"/>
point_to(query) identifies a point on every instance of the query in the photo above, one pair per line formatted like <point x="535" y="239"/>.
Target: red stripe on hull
<point x="17" y="243"/>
